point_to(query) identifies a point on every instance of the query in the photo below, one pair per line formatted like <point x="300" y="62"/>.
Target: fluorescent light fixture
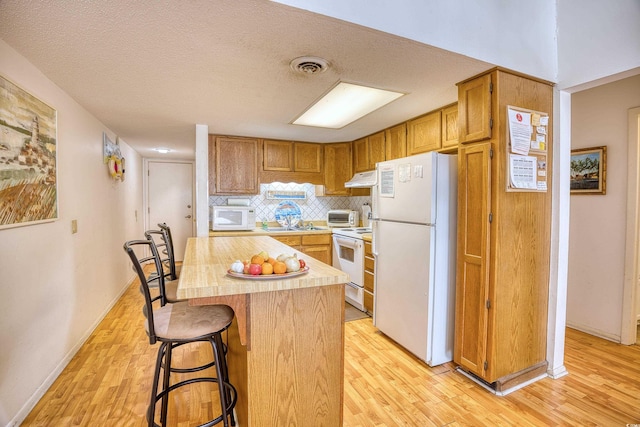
<point x="345" y="103"/>
<point x="162" y="150"/>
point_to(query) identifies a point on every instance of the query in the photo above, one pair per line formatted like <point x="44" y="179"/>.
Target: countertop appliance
<point x="414" y="243"/>
<point x="227" y="218"/>
<point x="342" y="218"/>
<point x="348" y="256"/>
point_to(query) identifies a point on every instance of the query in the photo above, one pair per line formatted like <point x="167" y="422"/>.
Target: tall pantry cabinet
<point x="503" y="237"/>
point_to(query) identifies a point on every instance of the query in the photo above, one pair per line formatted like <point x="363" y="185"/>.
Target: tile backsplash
<point x="313" y="208"/>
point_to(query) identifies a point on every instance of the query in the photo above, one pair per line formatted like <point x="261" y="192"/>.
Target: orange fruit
<point x="257" y="259"/>
<point x="267" y="268"/>
<point x="279" y="267"/>
<point x="271" y="260"/>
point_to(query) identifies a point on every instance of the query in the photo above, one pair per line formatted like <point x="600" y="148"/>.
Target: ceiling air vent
<point x="309" y="65"/>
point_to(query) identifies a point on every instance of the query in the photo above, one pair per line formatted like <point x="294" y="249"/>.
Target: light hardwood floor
<point x="107" y="384"/>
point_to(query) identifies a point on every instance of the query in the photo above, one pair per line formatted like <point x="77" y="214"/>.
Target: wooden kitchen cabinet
<point x="503" y="243"/>
<point x="233" y="165"/>
<point x="369" y="277"/>
<point x="424" y="133"/>
<point x="474" y="109"/>
<point x="368" y="151"/>
<point x="450" y="128"/>
<point x="396" y="142"/>
<point x="317" y="246"/>
<point x="277" y="155"/>
<point x="307" y="157"/>
<point x="288" y="161"/>
<point x="337" y="168"/>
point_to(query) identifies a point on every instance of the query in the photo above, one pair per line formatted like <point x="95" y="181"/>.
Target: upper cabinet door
<point x="450" y="127"/>
<point x="236" y="166"/>
<point x="474" y="109"/>
<point x="277" y="156"/>
<point x="424" y="133"/>
<point x="337" y="168"/>
<point x="396" y="142"/>
<point x="307" y="157"/>
<point x="361" y="155"/>
<point x="376" y="149"/>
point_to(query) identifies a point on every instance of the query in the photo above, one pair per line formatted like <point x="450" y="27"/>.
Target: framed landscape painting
<point x="28" y="174"/>
<point x="589" y="170"/>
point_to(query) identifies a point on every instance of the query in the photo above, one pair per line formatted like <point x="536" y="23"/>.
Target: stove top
<point x="355" y="232"/>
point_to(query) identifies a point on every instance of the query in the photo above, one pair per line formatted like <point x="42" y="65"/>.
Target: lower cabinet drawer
<point x="368" y="281"/>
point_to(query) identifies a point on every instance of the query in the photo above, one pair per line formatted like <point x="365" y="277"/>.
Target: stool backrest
<point x="139" y="262"/>
<point x="168" y="240"/>
<point x="159" y="238"/>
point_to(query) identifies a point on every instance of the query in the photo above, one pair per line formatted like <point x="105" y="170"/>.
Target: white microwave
<point x="233" y="218"/>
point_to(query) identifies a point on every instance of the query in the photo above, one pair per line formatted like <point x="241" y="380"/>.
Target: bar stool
<point x="176" y="324"/>
<point x="168" y="283"/>
<point x="168" y="241"/>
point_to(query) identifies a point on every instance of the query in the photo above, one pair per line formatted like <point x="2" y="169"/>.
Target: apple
<point x="302" y="263"/>
<point x="255" y="269"/>
<point x="246" y="266"/>
<point x="264" y="255"/>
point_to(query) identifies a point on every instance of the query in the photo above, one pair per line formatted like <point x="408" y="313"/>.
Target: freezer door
<point x="405" y="189"/>
<point x="403" y="281"/>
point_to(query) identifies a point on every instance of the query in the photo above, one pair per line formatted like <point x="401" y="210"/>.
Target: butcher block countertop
<point x="286" y="343"/>
<point x="207" y="260"/>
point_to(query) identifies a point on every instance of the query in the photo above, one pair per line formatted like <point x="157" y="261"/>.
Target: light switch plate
<point x="74" y="226"/>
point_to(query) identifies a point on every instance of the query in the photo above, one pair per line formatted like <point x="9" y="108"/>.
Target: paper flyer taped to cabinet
<point x="523" y="171"/>
<point x="520" y="131"/>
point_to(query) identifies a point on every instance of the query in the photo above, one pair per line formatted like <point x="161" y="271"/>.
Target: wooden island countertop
<point x="286" y="343"/>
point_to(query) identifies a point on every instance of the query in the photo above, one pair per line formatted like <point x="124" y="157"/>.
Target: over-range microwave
<point x="232" y="218"/>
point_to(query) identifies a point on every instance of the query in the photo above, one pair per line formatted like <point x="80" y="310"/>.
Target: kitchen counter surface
<point x="207" y="260"/>
<point x="286" y="342"/>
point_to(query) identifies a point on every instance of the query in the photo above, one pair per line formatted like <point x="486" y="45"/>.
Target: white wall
<point x="598" y="222"/>
<point x="56" y="286"/>
<point x="596" y="39"/>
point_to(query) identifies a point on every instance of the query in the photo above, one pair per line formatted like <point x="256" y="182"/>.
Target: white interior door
<point x="170" y="200"/>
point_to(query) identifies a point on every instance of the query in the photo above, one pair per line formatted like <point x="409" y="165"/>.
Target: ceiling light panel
<point x="344" y="104"/>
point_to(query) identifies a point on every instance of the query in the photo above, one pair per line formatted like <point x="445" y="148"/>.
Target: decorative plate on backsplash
<point x="288" y="213"/>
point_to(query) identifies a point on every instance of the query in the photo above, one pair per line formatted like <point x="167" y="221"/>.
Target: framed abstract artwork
<point x="28" y="169"/>
<point x="589" y="170"/>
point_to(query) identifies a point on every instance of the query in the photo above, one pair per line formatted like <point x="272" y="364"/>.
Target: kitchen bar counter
<point x="287" y="340"/>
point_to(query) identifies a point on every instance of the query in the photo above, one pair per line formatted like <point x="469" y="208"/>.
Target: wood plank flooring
<point x="107" y="384"/>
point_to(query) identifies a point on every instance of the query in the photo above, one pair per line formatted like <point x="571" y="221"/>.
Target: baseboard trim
<point x="595" y="332"/>
<point x="48" y="382"/>
<point x="503" y="392"/>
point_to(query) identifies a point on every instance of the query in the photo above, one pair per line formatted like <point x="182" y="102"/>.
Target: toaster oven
<point x="342" y="218"/>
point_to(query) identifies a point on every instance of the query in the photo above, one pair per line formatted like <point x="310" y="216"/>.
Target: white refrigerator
<point x="414" y="244"/>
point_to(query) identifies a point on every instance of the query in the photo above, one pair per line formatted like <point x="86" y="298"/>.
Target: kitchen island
<point x="286" y="343"/>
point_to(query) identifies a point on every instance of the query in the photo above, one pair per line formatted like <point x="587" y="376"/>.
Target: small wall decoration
<point x="28" y="174"/>
<point x="589" y="170"/>
<point x="113" y="158"/>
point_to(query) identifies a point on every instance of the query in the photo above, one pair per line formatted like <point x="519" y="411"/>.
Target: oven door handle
<point x="349" y="243"/>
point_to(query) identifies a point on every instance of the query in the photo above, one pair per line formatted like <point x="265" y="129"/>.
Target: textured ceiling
<point x="150" y="69"/>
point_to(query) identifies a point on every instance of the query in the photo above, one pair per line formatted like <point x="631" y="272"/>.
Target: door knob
<point x="188" y="216"/>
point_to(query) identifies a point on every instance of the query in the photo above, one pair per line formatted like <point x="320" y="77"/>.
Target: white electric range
<point x="348" y="256"/>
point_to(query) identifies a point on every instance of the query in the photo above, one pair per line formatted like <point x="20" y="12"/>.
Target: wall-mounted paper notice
<point x="523" y="171"/>
<point x="520" y="131"/>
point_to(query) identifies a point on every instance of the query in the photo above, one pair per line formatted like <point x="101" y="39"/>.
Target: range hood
<point x="362" y="180"/>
